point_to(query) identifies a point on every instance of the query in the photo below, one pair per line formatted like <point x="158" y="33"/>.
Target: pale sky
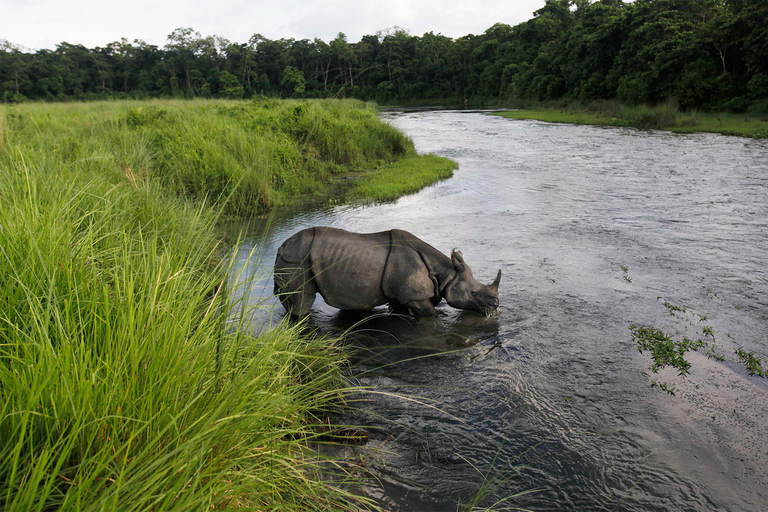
<point x="37" y="24"/>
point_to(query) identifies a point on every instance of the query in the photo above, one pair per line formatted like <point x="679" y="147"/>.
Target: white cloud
<point x="44" y="23"/>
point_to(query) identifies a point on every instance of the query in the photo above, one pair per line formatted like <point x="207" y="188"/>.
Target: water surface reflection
<point x="594" y="229"/>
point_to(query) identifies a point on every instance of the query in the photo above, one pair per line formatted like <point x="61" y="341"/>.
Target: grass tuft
<point x="123" y="384"/>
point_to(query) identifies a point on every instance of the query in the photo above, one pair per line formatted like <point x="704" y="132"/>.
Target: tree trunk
<point x="722" y="55"/>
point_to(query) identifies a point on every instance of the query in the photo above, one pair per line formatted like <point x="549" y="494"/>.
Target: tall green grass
<point x="123" y="386"/>
<point x="244" y="156"/>
<point x="661" y="116"/>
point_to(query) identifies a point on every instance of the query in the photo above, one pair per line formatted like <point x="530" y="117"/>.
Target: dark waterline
<point x="594" y="229"/>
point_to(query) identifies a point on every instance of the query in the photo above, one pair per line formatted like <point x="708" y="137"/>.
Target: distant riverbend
<point x="664" y="117"/>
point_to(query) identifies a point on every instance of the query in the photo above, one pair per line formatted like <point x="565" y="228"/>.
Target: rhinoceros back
<point x="348" y="267"/>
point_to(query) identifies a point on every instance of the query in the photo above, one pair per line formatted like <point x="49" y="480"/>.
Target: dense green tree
<point x="229" y="86"/>
<point x="120" y="52"/>
<point x="661" y="40"/>
<point x="14" y="66"/>
<point x="435" y="71"/>
<point x="752" y="26"/>
<point x="395" y="53"/>
<point x="703" y="53"/>
<point x="181" y="56"/>
<point x="343" y="59"/>
<point x="591" y="47"/>
<point x="293" y="82"/>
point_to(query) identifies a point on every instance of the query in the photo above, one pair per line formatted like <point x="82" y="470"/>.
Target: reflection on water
<point x="594" y="229"/>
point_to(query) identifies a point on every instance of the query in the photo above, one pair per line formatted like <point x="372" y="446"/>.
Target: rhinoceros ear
<point x="458" y="261"/>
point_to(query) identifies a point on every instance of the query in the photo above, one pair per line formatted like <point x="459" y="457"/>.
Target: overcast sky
<point x="37" y="24"/>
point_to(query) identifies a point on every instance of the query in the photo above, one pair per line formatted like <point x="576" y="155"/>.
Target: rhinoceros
<point x="356" y="271"/>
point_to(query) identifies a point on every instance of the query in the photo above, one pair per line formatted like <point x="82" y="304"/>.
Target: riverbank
<point x="662" y="117"/>
<point x="403" y="177"/>
<point x="127" y="382"/>
<point x="244" y="156"/>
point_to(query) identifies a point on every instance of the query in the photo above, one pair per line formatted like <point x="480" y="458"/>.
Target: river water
<point x="594" y="229"/>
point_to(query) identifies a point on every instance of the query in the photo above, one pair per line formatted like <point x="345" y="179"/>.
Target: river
<point x="594" y="229"/>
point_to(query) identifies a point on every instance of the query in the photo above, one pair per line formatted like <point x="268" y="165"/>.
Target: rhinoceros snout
<point x="492" y="310"/>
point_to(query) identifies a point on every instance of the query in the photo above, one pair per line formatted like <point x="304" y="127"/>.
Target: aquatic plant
<point x="753" y="363"/>
<point x="666" y="351"/>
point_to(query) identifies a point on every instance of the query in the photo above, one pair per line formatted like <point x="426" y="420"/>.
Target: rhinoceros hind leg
<point x="422" y="307"/>
<point x="295" y="287"/>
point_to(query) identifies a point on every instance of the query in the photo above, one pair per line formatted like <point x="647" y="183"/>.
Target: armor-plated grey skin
<point x="357" y="271"/>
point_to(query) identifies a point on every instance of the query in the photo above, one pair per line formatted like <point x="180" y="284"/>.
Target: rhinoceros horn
<point x="495" y="283"/>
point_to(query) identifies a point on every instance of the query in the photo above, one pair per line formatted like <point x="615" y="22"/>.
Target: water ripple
<point x="594" y="229"/>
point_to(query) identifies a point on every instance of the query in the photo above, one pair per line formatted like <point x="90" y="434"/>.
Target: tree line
<point x="703" y="53"/>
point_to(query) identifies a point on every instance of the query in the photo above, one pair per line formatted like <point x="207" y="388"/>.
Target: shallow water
<point x="594" y="229"/>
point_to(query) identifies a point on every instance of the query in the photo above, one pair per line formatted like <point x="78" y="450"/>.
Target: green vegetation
<point x="245" y="156"/>
<point x="664" y="350"/>
<point x="626" y="276"/>
<point x="127" y="382"/>
<point x="753" y="363"/>
<point x="667" y="351"/>
<point x="663" y="117"/>
<point x="706" y="54"/>
<point x="403" y="177"/>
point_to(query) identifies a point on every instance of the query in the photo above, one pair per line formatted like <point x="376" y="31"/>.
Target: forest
<point x="703" y="54"/>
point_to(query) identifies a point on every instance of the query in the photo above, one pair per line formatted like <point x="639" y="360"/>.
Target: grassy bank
<point x="403" y="177"/>
<point x="245" y="155"/>
<point x="123" y="384"/>
<point x="661" y="117"/>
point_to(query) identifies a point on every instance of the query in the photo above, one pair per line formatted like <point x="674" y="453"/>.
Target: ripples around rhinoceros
<point x="594" y="229"/>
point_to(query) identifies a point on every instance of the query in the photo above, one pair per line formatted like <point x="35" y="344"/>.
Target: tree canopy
<point x="703" y="53"/>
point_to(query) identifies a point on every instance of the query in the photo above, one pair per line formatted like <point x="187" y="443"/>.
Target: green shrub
<point x="658" y="117"/>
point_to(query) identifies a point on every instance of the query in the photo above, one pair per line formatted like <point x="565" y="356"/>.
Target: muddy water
<point x="594" y="229"/>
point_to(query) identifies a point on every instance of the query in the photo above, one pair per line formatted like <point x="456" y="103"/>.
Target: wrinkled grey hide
<point x="361" y="271"/>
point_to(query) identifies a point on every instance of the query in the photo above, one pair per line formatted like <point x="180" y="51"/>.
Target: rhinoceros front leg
<point x="422" y="307"/>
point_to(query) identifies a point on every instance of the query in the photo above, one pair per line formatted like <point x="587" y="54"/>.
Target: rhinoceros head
<point x="466" y="292"/>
